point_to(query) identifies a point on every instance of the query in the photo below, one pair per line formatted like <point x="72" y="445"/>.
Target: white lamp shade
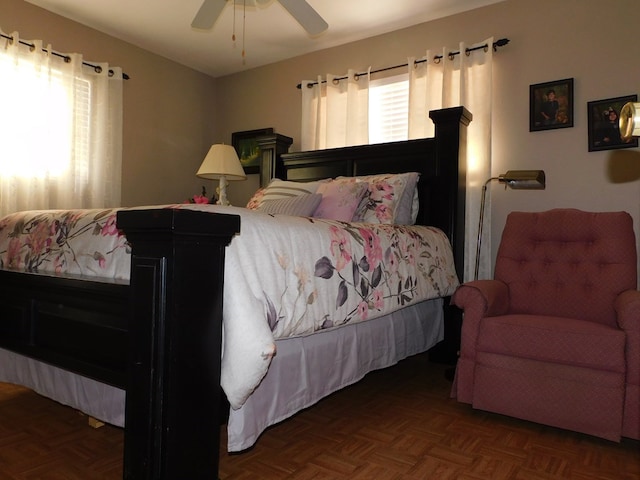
<point x="221" y="161"/>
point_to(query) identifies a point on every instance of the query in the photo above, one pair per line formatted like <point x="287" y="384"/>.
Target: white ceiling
<point x="271" y="33"/>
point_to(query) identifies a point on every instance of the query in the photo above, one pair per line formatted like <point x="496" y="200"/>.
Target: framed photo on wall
<point x="248" y="149"/>
<point x="551" y="105"/>
<point x="604" y="124"/>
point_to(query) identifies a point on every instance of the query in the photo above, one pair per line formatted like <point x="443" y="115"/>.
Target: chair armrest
<point x="489" y="297"/>
<point x="478" y="299"/>
<point x="627" y="306"/>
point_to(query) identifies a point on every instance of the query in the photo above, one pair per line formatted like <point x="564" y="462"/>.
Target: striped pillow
<point x="299" y="206"/>
<point x="279" y="189"/>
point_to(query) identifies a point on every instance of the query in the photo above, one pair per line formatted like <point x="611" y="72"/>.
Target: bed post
<point x="451" y="153"/>
<point x="172" y="418"/>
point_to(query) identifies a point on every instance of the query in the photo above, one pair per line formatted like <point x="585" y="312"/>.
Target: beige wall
<point x="588" y="40"/>
<point x="172" y="113"/>
<point x="169" y="115"/>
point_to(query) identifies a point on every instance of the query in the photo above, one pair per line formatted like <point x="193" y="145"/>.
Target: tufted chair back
<point x="567" y="263"/>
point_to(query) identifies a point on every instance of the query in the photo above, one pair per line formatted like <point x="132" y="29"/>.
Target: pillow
<point x="299" y="206"/>
<point x="415" y="206"/>
<point x="254" y="201"/>
<point x="340" y="199"/>
<point x="408" y="205"/>
<point x="391" y="199"/>
<point x="278" y="189"/>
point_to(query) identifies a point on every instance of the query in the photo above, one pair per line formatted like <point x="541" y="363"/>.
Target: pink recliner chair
<point x="555" y="337"/>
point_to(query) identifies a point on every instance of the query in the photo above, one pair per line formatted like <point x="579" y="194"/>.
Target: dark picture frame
<point x="551" y="105"/>
<point x="604" y="124"/>
<point x="248" y="149"/>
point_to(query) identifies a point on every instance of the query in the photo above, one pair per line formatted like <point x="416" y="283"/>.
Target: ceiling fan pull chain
<point x="233" y="35"/>
<point x="244" y="23"/>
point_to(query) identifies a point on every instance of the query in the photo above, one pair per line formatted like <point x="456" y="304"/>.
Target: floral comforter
<point x="287" y="276"/>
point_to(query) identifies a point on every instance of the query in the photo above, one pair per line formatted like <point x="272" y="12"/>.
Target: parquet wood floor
<point x="396" y="424"/>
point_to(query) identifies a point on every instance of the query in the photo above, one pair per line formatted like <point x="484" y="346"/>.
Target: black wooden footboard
<point x="158" y="337"/>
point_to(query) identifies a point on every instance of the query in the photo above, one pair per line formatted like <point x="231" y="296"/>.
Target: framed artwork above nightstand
<point x="258" y="151"/>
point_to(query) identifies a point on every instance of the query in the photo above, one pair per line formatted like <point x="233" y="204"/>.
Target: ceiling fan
<point x="304" y="13"/>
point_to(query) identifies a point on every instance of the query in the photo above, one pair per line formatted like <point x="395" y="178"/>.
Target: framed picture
<point x="248" y="149"/>
<point x="604" y="124"/>
<point x="551" y="105"/>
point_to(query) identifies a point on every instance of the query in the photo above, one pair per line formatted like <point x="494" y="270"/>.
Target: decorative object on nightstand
<point x="517" y="180"/>
<point x="221" y="163"/>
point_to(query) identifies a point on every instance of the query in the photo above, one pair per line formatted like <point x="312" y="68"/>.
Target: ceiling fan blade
<point x="306" y="16"/>
<point x="208" y="14"/>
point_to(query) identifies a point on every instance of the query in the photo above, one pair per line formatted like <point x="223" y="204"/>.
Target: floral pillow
<point x="256" y="199"/>
<point x="340" y="199"/>
<point x="390" y="199"/>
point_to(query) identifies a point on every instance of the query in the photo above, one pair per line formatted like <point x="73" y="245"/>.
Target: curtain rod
<point x="498" y="43"/>
<point x="96" y="68"/>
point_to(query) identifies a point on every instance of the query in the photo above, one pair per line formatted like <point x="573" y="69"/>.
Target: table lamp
<point x="221" y="163"/>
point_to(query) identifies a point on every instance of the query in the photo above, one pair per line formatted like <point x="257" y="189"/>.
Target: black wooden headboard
<point x="439" y="160"/>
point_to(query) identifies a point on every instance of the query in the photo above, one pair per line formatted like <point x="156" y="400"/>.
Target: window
<point x="60" y="130"/>
<point x="40" y="130"/>
<point x="389" y="109"/>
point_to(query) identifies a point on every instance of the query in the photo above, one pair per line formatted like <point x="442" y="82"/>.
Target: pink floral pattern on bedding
<point x="367" y="270"/>
<point x="83" y="242"/>
<point x="284" y="276"/>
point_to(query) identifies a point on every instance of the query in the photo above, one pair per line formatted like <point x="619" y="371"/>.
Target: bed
<point x="158" y="334"/>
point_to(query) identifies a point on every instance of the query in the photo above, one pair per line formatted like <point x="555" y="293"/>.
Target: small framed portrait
<point x="604" y="124"/>
<point x="248" y="149"/>
<point x="551" y="105"/>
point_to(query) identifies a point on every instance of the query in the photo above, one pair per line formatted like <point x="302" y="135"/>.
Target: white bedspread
<point x="284" y="276"/>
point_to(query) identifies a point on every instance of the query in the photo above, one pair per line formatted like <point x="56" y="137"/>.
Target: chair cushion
<point x="555" y="340"/>
<point x="567" y="262"/>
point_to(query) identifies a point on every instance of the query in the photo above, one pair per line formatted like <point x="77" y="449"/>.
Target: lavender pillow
<point x="340" y="199"/>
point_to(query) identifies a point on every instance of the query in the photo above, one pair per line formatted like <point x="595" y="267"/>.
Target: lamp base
<point x="222" y="192"/>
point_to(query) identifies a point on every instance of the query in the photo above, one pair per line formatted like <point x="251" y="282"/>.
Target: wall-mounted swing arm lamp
<point x="517" y="180"/>
<point x="629" y="121"/>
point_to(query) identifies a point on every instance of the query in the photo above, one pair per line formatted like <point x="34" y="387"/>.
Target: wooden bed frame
<point x="156" y="336"/>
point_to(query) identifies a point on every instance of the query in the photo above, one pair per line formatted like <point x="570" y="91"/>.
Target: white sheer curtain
<point x="60" y="130"/>
<point x="463" y="79"/>
<point x="335" y="113"/>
